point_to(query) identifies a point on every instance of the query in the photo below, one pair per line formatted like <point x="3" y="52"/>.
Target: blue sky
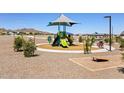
<point x="88" y="22"/>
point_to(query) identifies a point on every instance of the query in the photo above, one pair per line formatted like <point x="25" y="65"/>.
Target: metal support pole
<point x="110" y="33"/>
<point x="64" y="28"/>
<point x="110" y="43"/>
<point x="58" y="27"/>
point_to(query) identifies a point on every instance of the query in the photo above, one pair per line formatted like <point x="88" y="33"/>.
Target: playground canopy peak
<point x="62" y="20"/>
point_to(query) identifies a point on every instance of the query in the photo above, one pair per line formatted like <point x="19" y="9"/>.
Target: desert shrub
<point x="18" y="43"/>
<point x="21" y="33"/>
<point x="70" y="39"/>
<point x="80" y="39"/>
<point x="117" y="39"/>
<point x="122" y="43"/>
<point x="106" y="40"/>
<point x="30" y="33"/>
<point x="86" y="46"/>
<point x="88" y="43"/>
<point x="92" y="40"/>
<point x="29" y="48"/>
<point x="3" y="33"/>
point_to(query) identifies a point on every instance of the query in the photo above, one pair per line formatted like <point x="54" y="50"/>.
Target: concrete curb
<point x="74" y="51"/>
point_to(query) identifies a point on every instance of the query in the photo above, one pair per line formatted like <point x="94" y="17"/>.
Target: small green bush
<point x="29" y="48"/>
<point x="122" y="43"/>
<point x="88" y="43"/>
<point x="70" y="39"/>
<point x="3" y="33"/>
<point x="117" y="39"/>
<point x="30" y="33"/>
<point x="106" y="40"/>
<point x="18" y="43"/>
<point x="80" y="39"/>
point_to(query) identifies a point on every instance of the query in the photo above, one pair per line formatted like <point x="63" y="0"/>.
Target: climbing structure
<point x="62" y="38"/>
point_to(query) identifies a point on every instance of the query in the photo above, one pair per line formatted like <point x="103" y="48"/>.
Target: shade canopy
<point x="62" y="20"/>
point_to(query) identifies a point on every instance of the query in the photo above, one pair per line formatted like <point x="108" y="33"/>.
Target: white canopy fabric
<point x="62" y="20"/>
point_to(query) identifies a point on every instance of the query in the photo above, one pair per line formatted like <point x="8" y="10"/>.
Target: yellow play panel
<point x="89" y="64"/>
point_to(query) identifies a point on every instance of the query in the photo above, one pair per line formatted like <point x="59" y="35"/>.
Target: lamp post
<point x="110" y="33"/>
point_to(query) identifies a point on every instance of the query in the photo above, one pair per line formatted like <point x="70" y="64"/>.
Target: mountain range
<point x="24" y="30"/>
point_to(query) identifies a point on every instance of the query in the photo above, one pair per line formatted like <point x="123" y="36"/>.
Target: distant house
<point x="98" y="35"/>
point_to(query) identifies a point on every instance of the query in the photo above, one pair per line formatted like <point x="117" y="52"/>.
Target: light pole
<point x="110" y="33"/>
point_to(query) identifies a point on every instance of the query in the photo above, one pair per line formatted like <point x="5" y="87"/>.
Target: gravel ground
<point x="14" y="65"/>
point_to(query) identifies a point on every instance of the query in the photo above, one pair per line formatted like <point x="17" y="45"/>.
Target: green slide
<point x="64" y="43"/>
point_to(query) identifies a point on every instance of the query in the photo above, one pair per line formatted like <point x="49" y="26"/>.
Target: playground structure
<point x="65" y="40"/>
<point x="62" y="39"/>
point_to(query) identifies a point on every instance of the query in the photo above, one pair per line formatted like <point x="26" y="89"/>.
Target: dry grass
<point x="74" y="47"/>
